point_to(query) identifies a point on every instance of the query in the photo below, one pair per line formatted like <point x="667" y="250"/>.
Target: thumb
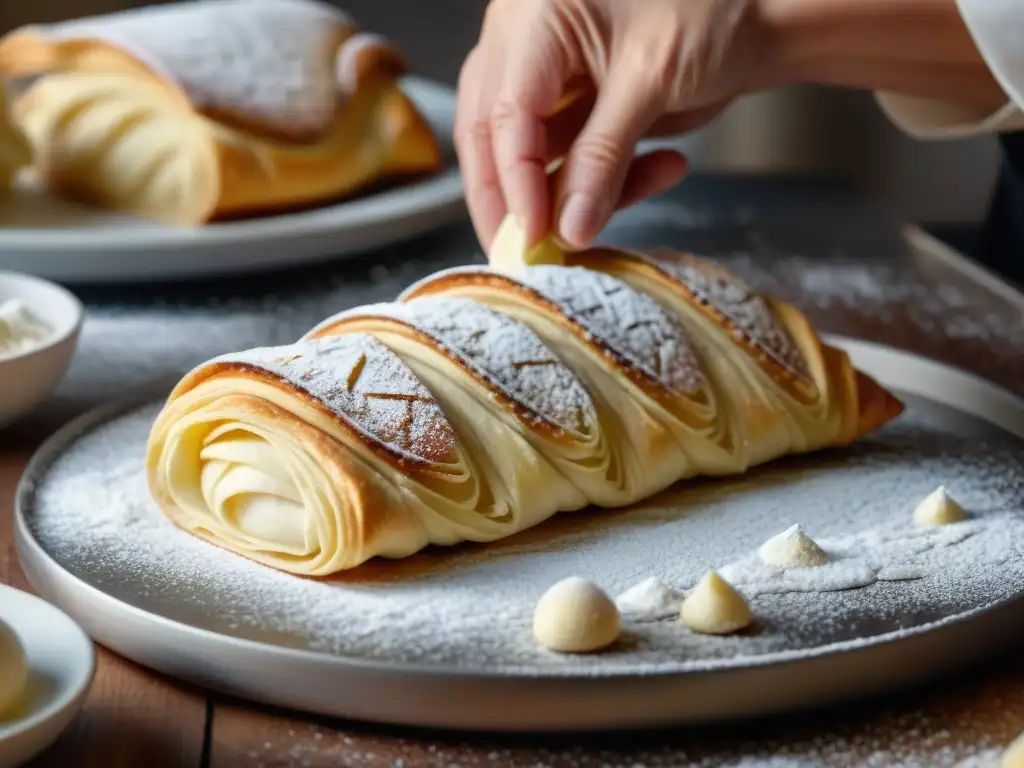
<point x="598" y="161"/>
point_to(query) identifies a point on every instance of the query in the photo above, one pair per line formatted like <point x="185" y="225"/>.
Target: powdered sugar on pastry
<point x="742" y="306"/>
<point x="504" y="352"/>
<point x="628" y="322"/>
<point x="364" y="382"/>
<point x="269" y="60"/>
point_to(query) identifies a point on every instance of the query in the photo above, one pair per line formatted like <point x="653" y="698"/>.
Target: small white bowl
<point x="28" y="378"/>
<point x="61" y="663"/>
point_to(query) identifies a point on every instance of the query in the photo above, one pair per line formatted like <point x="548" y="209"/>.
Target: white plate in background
<point x="59" y="240"/>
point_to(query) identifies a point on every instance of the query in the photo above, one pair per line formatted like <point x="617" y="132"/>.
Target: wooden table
<point x="135" y="718"/>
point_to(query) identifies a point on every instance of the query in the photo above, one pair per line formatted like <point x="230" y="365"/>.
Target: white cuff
<point x="998" y="29"/>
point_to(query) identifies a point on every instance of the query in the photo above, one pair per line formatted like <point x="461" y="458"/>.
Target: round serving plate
<point x="171" y="617"/>
<point x="62" y="241"/>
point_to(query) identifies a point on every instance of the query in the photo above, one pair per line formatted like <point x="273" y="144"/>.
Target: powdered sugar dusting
<point x="899" y="551"/>
<point x="504" y="352"/>
<point x="272" y="60"/>
<point x="364" y="382"/>
<point x="745" y="308"/>
<point x="626" y="321"/>
<point x="92" y="512"/>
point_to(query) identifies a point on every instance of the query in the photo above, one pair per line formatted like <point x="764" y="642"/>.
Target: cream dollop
<point x="650" y="599"/>
<point x="792" y="548"/>
<point x="13" y="670"/>
<point x="576" y="616"/>
<point x="715" y="608"/>
<point x="937" y="508"/>
<point x="20" y="328"/>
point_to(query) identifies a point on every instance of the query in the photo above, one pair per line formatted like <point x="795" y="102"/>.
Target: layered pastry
<point x="479" y="404"/>
<point x="15" y="153"/>
<point x="196" y="111"/>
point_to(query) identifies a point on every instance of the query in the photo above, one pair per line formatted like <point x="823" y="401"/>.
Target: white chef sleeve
<point x="998" y="29"/>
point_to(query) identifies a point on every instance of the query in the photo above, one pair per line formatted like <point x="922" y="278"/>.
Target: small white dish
<point x="61" y="662"/>
<point x="59" y="240"/>
<point x="29" y="377"/>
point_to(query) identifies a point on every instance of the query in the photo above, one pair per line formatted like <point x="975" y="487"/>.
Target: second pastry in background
<point x="192" y="112"/>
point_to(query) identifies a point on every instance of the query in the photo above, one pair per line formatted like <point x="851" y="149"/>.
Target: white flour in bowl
<point x="21" y="330"/>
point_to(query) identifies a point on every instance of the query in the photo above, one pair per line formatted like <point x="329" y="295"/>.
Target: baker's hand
<point x="643" y="68"/>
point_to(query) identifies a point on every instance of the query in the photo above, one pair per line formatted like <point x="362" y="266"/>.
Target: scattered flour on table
<point x="887" y="291"/>
<point x="907" y="741"/>
<point x="93" y="513"/>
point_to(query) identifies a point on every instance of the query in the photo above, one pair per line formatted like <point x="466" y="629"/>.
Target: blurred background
<point x="793" y="129"/>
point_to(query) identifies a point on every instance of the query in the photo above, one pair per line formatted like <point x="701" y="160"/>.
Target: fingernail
<point x="578" y="219"/>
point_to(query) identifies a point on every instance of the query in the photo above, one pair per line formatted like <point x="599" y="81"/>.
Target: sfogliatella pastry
<point x="203" y="110"/>
<point x="480" y="404"/>
<point x="14" y="149"/>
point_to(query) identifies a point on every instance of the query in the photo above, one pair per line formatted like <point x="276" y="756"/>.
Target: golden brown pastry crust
<point x="870" y="404"/>
<point x="374" y="318"/>
<point x="451" y="282"/>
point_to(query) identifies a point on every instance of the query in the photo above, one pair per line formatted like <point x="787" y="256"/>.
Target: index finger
<point x="536" y="69"/>
<point x="472" y="138"/>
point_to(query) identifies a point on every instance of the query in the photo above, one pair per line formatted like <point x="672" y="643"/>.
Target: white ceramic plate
<point x="61" y="661"/>
<point x="62" y="241"/>
<point x="27" y="379"/>
<point x="222" y="635"/>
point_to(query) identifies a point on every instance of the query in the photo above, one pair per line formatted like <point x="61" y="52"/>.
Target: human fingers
<point x="473" y="146"/>
<point x="536" y="70"/>
<point x="565" y="125"/>
<point x="599" y="159"/>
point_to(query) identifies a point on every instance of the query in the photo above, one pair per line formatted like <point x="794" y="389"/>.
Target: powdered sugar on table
<point x="471" y="606"/>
